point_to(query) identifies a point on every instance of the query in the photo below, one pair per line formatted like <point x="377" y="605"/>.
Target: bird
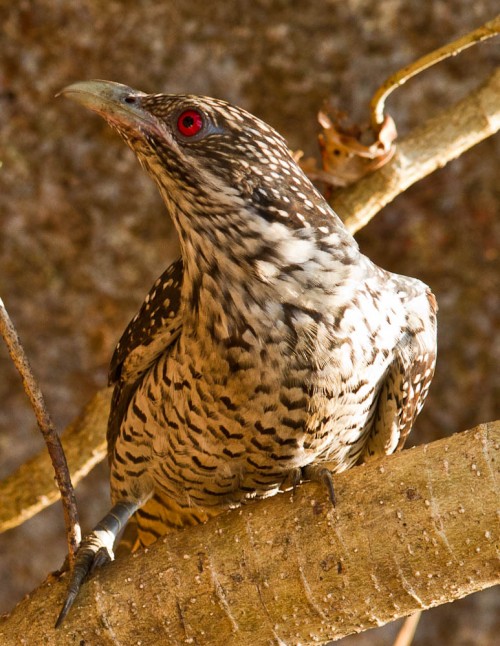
<point x="271" y="347"/>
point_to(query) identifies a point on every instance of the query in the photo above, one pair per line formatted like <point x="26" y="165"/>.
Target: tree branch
<point x="410" y="532"/>
<point x="31" y="487"/>
<point x="427" y="148"/>
<point x="48" y="430"/>
<point x="488" y="30"/>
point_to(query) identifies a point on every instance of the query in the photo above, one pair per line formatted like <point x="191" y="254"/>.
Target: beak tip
<point x="94" y="94"/>
<point x="109" y="100"/>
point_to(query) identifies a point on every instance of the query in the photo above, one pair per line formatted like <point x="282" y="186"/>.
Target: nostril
<point x="130" y="98"/>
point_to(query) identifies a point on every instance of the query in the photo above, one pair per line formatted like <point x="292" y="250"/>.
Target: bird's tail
<point x="159" y="516"/>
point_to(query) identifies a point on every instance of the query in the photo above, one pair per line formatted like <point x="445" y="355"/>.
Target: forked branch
<point x="427" y="148"/>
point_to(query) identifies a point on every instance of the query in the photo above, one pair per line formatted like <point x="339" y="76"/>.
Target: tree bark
<point x="412" y="531"/>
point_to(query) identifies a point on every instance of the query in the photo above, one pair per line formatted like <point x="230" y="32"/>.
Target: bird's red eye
<point x="189" y="123"/>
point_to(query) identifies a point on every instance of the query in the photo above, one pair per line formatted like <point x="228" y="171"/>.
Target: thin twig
<point x="56" y="452"/>
<point x="488" y="30"/>
<point x="407" y="632"/>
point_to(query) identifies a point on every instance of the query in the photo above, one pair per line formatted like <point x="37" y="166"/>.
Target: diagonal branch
<point x="31" y="488"/>
<point x="47" y="428"/>
<point x="427" y="148"/>
<point x="410" y="532"/>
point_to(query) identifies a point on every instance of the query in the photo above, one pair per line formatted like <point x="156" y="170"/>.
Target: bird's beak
<point x="118" y="104"/>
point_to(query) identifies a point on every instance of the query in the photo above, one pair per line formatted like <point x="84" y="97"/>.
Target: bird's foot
<point x="313" y="473"/>
<point x="319" y="473"/>
<point x="95" y="550"/>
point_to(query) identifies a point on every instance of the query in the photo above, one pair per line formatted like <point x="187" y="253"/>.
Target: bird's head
<point x="228" y="178"/>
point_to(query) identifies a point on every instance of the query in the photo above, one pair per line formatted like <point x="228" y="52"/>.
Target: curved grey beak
<point x="117" y="103"/>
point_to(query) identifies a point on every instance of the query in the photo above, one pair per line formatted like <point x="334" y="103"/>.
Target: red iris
<point x="189" y="123"/>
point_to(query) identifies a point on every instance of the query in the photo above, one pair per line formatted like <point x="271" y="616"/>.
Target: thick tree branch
<point x="412" y="531"/>
<point x="427" y="148"/>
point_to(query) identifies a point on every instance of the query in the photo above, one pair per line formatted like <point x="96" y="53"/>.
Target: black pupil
<point x="188" y="122"/>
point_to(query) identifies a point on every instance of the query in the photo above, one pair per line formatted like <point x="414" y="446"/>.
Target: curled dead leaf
<point x="350" y="151"/>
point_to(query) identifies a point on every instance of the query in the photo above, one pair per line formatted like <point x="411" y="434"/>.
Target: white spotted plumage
<point x="275" y="344"/>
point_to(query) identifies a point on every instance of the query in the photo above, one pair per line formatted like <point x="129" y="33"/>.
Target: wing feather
<point x="407" y="380"/>
<point x="152" y="332"/>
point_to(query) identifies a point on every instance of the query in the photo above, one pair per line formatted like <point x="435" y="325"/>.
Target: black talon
<point x="102" y="556"/>
<point x="92" y="554"/>
<point x="295" y="477"/>
<point x="66" y="608"/>
<point x="316" y="473"/>
<point x="96" y="550"/>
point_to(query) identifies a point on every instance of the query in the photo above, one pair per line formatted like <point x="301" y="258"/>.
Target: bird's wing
<point x="407" y="380"/>
<point x="152" y="331"/>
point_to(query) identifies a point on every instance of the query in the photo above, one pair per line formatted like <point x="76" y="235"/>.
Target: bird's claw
<point x="314" y="473"/>
<point x="94" y="552"/>
<point x="319" y="473"/>
<point x="102" y="556"/>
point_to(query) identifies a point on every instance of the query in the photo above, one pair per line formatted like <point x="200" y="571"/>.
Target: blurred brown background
<point x="83" y="233"/>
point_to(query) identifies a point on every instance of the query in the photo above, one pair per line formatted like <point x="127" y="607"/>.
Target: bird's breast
<point x="238" y="413"/>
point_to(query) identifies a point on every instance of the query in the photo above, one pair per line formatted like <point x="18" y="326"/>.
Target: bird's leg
<point x="292" y="480"/>
<point x="313" y="473"/>
<point x="319" y="473"/>
<point x="96" y="549"/>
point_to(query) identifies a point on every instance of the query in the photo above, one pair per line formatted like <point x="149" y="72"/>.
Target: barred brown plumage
<point x="272" y="346"/>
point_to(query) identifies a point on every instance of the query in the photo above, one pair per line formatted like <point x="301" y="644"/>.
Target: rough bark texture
<point x="293" y="570"/>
